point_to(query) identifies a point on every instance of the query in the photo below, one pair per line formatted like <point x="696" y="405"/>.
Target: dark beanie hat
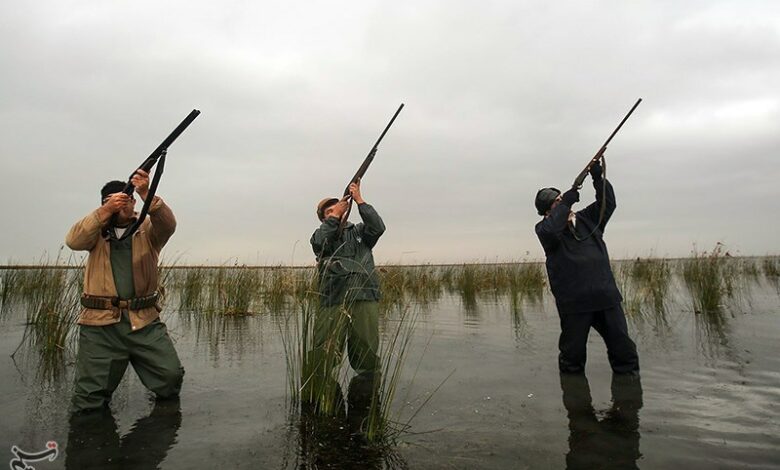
<point x="545" y="198"/>
<point x="110" y="188"/>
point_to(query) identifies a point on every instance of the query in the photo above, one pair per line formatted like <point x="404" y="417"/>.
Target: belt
<point x="99" y="302"/>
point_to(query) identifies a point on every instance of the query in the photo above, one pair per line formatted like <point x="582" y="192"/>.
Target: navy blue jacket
<point x="580" y="275"/>
<point x="346" y="264"/>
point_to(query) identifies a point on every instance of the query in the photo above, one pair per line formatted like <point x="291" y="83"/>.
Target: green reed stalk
<point x="709" y="279"/>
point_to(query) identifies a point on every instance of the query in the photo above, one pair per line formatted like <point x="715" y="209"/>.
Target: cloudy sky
<point x="502" y="98"/>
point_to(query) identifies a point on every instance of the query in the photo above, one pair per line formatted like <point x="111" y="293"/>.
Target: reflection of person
<point x="581" y="277"/>
<point x="349" y="291"/>
<point x="120" y="319"/>
<point x="339" y="440"/>
<point x="612" y="442"/>
<point x="93" y="440"/>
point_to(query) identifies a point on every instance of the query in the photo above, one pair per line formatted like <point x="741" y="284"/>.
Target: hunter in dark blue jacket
<point x="581" y="277"/>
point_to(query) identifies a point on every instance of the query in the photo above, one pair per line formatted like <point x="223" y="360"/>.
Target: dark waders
<point x="357" y="325"/>
<point x="611" y="325"/>
<point x="104" y="352"/>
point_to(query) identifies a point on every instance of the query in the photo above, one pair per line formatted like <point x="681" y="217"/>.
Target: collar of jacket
<point x="105" y="233"/>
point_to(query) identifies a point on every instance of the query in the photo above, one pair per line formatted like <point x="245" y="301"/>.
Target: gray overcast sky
<point x="502" y="98"/>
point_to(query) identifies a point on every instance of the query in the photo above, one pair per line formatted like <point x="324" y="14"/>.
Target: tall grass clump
<point x="402" y="285"/>
<point x="283" y="287"/>
<point x="526" y="282"/>
<point x="191" y="289"/>
<point x="632" y="299"/>
<point x="8" y="285"/>
<point x="748" y="268"/>
<point x="381" y="425"/>
<point x="52" y="307"/>
<point x="469" y="282"/>
<point x="771" y="268"/>
<point x="519" y="281"/>
<point x="232" y="291"/>
<point x="653" y="277"/>
<point x="710" y="279"/>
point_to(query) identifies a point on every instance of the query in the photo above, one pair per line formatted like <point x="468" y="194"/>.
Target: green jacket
<point x="345" y="264"/>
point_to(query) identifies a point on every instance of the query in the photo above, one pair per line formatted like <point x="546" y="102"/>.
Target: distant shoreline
<point x="309" y="266"/>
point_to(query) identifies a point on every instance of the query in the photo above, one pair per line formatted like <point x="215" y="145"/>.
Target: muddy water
<point x="709" y="397"/>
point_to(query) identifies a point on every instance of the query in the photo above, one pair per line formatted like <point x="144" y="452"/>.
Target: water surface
<point x="708" y="396"/>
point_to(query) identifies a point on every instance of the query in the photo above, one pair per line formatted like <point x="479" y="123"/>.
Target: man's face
<point x="127" y="211"/>
<point x="336" y="210"/>
<point x="555" y="203"/>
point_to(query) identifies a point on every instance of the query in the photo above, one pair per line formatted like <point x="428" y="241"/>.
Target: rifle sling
<point x="147" y="203"/>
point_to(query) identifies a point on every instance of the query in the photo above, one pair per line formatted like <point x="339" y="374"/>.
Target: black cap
<point x="545" y="198"/>
<point x="110" y="188"/>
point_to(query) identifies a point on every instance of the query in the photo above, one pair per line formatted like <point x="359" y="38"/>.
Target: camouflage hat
<point x="324" y="204"/>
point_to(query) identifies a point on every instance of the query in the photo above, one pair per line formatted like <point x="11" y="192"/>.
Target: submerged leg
<point x="363" y="338"/>
<point x="621" y="350"/>
<point x="100" y="364"/>
<point x="319" y="383"/>
<point x="155" y="360"/>
<point x="572" y="344"/>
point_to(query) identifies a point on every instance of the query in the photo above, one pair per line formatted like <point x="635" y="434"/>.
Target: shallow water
<point x="708" y="397"/>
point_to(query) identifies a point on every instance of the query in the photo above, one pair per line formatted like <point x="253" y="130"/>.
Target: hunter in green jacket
<point x="349" y="294"/>
<point x="345" y="263"/>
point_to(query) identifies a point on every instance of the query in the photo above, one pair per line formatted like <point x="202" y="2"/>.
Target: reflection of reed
<point x="232" y="334"/>
<point x="712" y="332"/>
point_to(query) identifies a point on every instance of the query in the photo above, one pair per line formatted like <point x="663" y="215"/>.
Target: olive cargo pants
<point x="104" y="352"/>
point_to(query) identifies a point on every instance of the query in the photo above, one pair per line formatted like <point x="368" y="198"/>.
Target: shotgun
<point x="363" y="167"/>
<point x="157" y="157"/>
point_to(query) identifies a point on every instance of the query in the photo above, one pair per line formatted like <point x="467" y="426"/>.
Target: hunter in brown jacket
<point x="119" y="322"/>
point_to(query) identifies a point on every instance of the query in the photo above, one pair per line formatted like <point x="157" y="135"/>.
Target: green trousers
<point x="357" y="326"/>
<point x="104" y="352"/>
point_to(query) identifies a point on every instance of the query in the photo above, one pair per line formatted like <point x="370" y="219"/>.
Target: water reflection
<point x="340" y="439"/>
<point x="93" y="440"/>
<point x="613" y="440"/>
<point x="713" y="334"/>
<point x="224" y="337"/>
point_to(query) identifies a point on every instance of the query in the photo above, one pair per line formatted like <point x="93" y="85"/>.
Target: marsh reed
<point x="645" y="283"/>
<point x="49" y="296"/>
<point x="245" y="290"/>
<point x="711" y="278"/>
<point x="318" y="372"/>
<point x="771" y="267"/>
